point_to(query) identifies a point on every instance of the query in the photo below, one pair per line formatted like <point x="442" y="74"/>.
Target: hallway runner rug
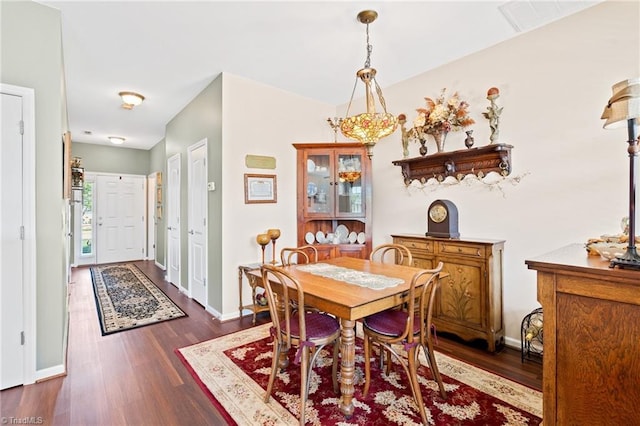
<point x="233" y="371"/>
<point x="126" y="298"/>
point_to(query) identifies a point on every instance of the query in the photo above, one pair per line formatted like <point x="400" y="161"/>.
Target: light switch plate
<point x="211" y="186"/>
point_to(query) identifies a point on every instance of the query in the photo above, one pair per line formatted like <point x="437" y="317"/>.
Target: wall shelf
<point x="477" y="161"/>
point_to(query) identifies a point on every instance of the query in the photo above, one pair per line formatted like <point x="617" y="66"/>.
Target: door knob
<point x="191" y="232"/>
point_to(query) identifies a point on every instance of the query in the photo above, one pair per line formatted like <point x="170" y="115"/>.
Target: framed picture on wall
<point x="260" y="189"/>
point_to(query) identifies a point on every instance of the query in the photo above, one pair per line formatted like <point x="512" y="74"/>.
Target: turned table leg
<point x="347" y="366"/>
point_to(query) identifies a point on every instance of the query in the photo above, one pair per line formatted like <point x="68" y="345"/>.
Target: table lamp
<point x="624" y="108"/>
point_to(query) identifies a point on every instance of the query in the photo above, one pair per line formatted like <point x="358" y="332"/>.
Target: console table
<point x="254" y="306"/>
<point x="591" y="363"/>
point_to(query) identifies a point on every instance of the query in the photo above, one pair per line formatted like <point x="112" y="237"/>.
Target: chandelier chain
<point x="367" y="62"/>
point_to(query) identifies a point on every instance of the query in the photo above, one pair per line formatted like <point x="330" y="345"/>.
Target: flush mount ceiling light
<point x="130" y="99"/>
<point x="371" y="126"/>
<point x="116" y="140"/>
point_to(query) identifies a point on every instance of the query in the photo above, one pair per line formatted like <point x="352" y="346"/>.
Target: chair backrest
<point x="297" y="255"/>
<point x="427" y="299"/>
<point x="282" y="289"/>
<point x="420" y="300"/>
<point x="391" y="253"/>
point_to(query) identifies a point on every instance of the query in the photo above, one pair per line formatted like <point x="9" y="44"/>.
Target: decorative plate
<point x="361" y="238"/>
<point x="309" y="237"/>
<point x="353" y="237"/>
<point x="320" y="237"/>
<point x="312" y="189"/>
<point x="342" y="232"/>
<point x="311" y="166"/>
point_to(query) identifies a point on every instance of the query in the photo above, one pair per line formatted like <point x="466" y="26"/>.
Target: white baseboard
<point x="49" y="373"/>
<point x="512" y="343"/>
<point x="160" y="265"/>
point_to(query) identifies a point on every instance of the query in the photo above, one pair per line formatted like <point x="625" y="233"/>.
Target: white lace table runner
<point x="351" y="276"/>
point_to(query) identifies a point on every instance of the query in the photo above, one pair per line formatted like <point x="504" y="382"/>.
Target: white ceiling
<point x="170" y="50"/>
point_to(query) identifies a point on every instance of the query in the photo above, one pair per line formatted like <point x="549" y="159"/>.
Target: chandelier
<point x="371" y="126"/>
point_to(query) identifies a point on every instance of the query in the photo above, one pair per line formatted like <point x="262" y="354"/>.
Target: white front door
<point x="121" y="214"/>
<point x="17" y="236"/>
<point x="173" y="220"/>
<point x="197" y="187"/>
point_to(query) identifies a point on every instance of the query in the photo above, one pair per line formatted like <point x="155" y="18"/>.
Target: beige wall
<point x="554" y="83"/>
<point x="112" y="159"/>
<point x="261" y="120"/>
<point x="32" y="57"/>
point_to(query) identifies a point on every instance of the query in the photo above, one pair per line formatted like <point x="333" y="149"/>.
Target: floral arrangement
<point x="441" y="116"/>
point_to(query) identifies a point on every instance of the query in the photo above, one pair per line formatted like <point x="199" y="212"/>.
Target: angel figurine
<point x="493" y="114"/>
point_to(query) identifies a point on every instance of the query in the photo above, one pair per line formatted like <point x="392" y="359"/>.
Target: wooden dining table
<point x="349" y="303"/>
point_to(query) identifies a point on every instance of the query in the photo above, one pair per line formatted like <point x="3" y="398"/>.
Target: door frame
<point x="29" y="223"/>
<point x="152" y="220"/>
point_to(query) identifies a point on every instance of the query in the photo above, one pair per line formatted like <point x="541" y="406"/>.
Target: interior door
<point x="197" y="238"/>
<point x="11" y="274"/>
<point x="173" y="220"/>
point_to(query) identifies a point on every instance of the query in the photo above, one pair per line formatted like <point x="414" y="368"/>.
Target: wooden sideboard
<point x="469" y="301"/>
<point x="591" y="363"/>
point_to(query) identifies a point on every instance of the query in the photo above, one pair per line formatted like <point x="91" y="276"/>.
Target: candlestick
<point x="274" y="234"/>
<point x="263" y="240"/>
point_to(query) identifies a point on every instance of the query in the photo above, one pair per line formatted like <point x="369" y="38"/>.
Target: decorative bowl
<point x="609" y="251"/>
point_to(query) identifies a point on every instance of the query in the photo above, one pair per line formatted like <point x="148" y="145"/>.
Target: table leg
<point x="347" y="365"/>
<point x="240" y="289"/>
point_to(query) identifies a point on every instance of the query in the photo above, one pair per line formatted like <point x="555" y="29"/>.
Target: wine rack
<point x="531" y="336"/>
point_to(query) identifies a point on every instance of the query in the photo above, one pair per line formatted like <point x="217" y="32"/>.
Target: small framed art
<point x="260" y="188"/>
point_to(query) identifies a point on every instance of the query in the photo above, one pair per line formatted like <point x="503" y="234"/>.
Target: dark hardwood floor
<point x="134" y="377"/>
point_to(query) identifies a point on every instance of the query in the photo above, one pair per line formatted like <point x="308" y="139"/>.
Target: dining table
<point x="349" y="302"/>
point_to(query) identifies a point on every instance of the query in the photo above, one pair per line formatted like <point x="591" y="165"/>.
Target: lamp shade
<point x="131" y="99"/>
<point x="623" y="105"/>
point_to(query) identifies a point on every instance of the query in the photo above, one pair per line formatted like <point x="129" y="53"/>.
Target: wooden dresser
<point x="591" y="364"/>
<point x="469" y="301"/>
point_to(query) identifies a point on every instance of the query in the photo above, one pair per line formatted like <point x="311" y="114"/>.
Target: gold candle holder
<point x="274" y="234"/>
<point x="263" y="240"/>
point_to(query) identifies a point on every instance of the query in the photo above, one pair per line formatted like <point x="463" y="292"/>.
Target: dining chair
<point x="308" y="332"/>
<point x="302" y="254"/>
<point x="409" y="327"/>
<point x="391" y="253"/>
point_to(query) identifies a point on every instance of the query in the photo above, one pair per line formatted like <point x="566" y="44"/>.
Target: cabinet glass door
<point x="349" y="184"/>
<point x="319" y="184"/>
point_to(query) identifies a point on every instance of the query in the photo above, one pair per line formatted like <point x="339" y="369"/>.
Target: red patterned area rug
<point x="233" y="371"/>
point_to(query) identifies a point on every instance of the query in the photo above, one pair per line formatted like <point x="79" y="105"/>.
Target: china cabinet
<point x="334" y="198"/>
<point x="591" y="363"/>
<point x="469" y="300"/>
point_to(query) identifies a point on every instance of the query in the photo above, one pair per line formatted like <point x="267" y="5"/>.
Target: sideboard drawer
<point x="461" y="249"/>
<point x="426" y="246"/>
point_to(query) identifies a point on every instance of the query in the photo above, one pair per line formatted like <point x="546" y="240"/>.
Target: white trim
<point x="50" y="372"/>
<point x="29" y="220"/>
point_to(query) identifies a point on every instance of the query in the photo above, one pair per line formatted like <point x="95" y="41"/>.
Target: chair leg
<point x="274" y="369"/>
<point x="415" y="385"/>
<point x="334" y="368"/>
<point x="367" y="364"/>
<point x="431" y="358"/>
<point x="305" y="368"/>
